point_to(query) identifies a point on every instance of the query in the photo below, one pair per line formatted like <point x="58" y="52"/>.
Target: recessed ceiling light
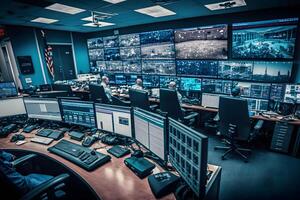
<point x="89" y="19"/>
<point x="44" y="20"/>
<point x="226" y="5"/>
<point x="65" y="9"/>
<point x="100" y="24"/>
<point x="114" y="1"/>
<point x="156" y="11"/>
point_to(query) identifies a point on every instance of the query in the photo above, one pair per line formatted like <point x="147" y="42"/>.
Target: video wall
<point x="261" y="51"/>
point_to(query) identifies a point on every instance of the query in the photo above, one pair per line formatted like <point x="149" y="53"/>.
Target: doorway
<point x="63" y="62"/>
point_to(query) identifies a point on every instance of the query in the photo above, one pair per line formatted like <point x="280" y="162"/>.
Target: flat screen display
<point x="197" y="68"/>
<point x="132" y="66"/>
<point x="158" y="51"/>
<point x="271" y="39"/>
<point x="272" y="71"/>
<point x="129" y="40"/>
<point x="95" y="43"/>
<point x="162" y="67"/>
<point x="111" y="41"/>
<point x="96" y="54"/>
<point x="292" y="93"/>
<point x="150" y="81"/>
<point x="162" y="36"/>
<point x="130" y="53"/>
<point x="190" y="84"/>
<point x="112" y="54"/>
<point x="209" y="42"/>
<point x="114" y="66"/>
<point x="241" y="70"/>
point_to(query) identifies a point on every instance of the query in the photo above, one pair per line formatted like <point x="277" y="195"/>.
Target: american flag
<point x="48" y="55"/>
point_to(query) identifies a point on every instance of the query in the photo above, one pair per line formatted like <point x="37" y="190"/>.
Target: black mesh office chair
<point x="235" y="125"/>
<point x="98" y="94"/>
<point x="140" y="99"/>
<point x="169" y="103"/>
<point x="51" y="189"/>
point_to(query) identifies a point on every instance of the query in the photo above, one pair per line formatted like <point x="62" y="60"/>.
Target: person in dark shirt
<point x="23" y="183"/>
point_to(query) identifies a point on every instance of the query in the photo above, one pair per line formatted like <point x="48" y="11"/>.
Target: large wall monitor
<point x="241" y="70"/>
<point x="12" y="107"/>
<point x="190" y="84"/>
<point x="216" y="86"/>
<point x="162" y="67"/>
<point x="271" y="39"/>
<point x="43" y="108"/>
<point x="197" y="68"/>
<point x="209" y="42"/>
<point x="188" y="154"/>
<point x="150" y="131"/>
<point x="78" y="112"/>
<point x="254" y="90"/>
<point x="114" y="119"/>
<point x="150" y="81"/>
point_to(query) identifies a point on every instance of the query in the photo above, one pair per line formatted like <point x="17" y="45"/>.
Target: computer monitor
<point x="78" y="112"/>
<point x="150" y="131"/>
<point x="277" y="92"/>
<point x="12" y="107"/>
<point x="150" y="81"/>
<point x="114" y="119"/>
<point x="165" y="80"/>
<point x="131" y="79"/>
<point x="216" y="86"/>
<point x="254" y="90"/>
<point x="257" y="104"/>
<point x="8" y="89"/>
<point x="210" y="100"/>
<point x="190" y="84"/>
<point x="292" y="93"/>
<point x="43" y="108"/>
<point x="120" y="79"/>
<point x="188" y="155"/>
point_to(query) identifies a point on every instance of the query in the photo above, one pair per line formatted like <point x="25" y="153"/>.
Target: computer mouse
<point x="88" y="141"/>
<point x="137" y="154"/>
<point x="17" y="137"/>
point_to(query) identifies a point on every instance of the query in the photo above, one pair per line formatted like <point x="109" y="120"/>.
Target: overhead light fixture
<point x="156" y="11"/>
<point x="88" y="19"/>
<point x="114" y="1"/>
<point x="226" y="5"/>
<point x="65" y="9"/>
<point x="44" y="20"/>
<point x="98" y="24"/>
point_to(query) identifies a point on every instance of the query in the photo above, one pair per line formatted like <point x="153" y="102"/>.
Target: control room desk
<point x="113" y="180"/>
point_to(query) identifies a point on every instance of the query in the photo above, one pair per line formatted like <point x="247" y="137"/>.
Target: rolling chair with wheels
<point x="235" y="126"/>
<point x="140" y="99"/>
<point x="98" y="94"/>
<point x="169" y="103"/>
<point x="51" y="189"/>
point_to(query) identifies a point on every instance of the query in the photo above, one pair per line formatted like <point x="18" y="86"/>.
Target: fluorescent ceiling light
<point x="44" y="20"/>
<point x="226" y="5"/>
<point x="100" y="24"/>
<point x="89" y="19"/>
<point x="156" y="11"/>
<point x="65" y="9"/>
<point x="114" y="1"/>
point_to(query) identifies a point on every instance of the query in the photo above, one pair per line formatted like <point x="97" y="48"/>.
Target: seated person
<point x="104" y="83"/>
<point x="23" y="183"/>
<point x="138" y="84"/>
<point x="172" y="86"/>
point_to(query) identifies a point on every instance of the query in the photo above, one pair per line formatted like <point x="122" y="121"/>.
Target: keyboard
<point x="118" y="151"/>
<point x="54" y="134"/>
<point x="75" y="135"/>
<point x="41" y="140"/>
<point x="83" y="157"/>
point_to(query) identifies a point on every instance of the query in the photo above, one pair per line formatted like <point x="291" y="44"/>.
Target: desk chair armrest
<point x="258" y="125"/>
<point x="191" y="116"/>
<point x="47" y="186"/>
<point x="23" y="159"/>
<point x="153" y="107"/>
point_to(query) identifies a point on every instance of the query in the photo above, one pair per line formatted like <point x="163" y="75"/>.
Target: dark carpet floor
<point x="268" y="175"/>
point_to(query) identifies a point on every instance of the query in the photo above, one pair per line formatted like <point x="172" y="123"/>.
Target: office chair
<point x="140" y="99"/>
<point x="169" y="103"/>
<point x="63" y="87"/>
<point x="235" y="125"/>
<point x="98" y="94"/>
<point x="119" y="102"/>
<point x="51" y="189"/>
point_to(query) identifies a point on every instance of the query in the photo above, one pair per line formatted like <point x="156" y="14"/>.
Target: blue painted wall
<point x="24" y="44"/>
